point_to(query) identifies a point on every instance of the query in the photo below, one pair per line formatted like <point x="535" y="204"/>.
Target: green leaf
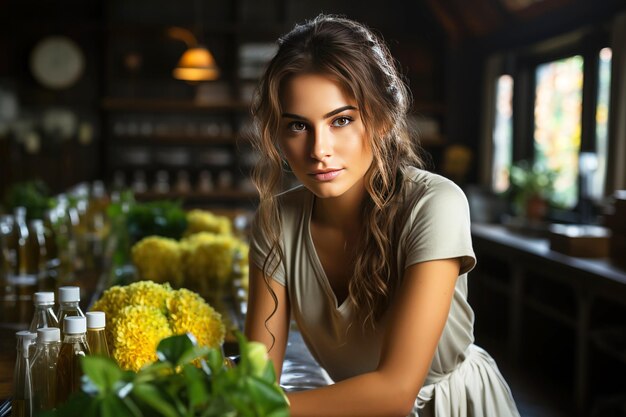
<point x="103" y="372"/>
<point x="269" y="374"/>
<point x="112" y="406"/>
<point x="282" y="412"/>
<point x="196" y="352"/>
<point x="215" y="361"/>
<point x="254" y="357"/>
<point x="197" y="387"/>
<point x="171" y="349"/>
<point x="153" y="371"/>
<point x="155" y="399"/>
<point x="75" y="406"/>
<point x="265" y="396"/>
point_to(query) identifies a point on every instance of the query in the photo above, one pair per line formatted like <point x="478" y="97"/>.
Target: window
<point x="502" y="134"/>
<point x="551" y="107"/>
<point x="557" y="131"/>
<point x="602" y="121"/>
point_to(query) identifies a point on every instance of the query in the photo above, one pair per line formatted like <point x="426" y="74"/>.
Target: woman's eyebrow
<point x="326" y="116"/>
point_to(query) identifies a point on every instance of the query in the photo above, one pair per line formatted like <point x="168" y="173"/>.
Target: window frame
<point x="522" y="64"/>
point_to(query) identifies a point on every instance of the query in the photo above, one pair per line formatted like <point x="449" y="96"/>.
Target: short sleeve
<point x="259" y="248"/>
<point x="439" y="227"/>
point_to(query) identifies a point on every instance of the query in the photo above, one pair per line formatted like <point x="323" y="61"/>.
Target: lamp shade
<point x="196" y="64"/>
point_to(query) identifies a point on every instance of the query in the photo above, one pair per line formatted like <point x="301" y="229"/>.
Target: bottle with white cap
<point x="96" y="336"/>
<point x="44" y="312"/>
<point x="22" y="404"/>
<point x="73" y="347"/>
<point x="43" y="368"/>
<point x="69" y="300"/>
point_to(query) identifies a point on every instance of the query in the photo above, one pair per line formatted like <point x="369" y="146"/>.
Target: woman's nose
<point x="321" y="146"/>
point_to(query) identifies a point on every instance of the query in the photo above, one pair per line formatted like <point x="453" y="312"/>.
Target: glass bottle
<point x="98" y="223"/>
<point x="50" y="221"/>
<point x="8" y="254"/>
<point x="69" y="299"/>
<point x="37" y="247"/>
<point x="22" y="404"/>
<point x="96" y="336"/>
<point x="43" y="368"/>
<point x="26" y="264"/>
<point x="24" y="278"/>
<point x="44" y="312"/>
<point x="73" y="347"/>
<point x="64" y="222"/>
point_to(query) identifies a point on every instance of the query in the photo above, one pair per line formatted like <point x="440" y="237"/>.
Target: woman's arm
<point x="416" y="323"/>
<point x="260" y="306"/>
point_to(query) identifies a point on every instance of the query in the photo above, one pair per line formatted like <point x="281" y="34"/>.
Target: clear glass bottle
<point x="8" y="255"/>
<point x="69" y="305"/>
<point x="22" y="404"/>
<point x="44" y="312"/>
<point x="73" y="347"/>
<point x="44" y="367"/>
<point x="97" y="221"/>
<point x="65" y="220"/>
<point x="39" y="249"/>
<point x="96" y="336"/>
<point x="26" y="264"/>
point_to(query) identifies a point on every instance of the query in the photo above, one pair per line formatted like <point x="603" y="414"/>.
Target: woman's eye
<point x="296" y="126"/>
<point x="342" y="121"/>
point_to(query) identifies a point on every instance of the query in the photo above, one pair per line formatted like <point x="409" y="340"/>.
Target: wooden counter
<point x="529" y="259"/>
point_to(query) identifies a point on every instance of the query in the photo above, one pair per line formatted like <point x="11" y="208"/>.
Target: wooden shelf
<point x="171" y="105"/>
<point x="176" y="139"/>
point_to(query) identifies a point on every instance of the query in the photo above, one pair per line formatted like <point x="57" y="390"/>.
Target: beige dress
<point x="463" y="379"/>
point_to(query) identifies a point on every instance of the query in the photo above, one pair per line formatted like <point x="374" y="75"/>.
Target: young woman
<point x="370" y="254"/>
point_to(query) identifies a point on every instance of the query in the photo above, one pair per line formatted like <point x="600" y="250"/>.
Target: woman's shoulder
<point x="426" y="183"/>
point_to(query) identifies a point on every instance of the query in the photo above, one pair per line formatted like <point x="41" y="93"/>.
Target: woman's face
<point x="322" y="136"/>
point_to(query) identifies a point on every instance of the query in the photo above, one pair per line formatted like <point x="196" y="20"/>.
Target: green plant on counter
<point x="156" y="218"/>
<point x="34" y="195"/>
<point x="174" y="387"/>
<point x="131" y="221"/>
<point x="529" y="181"/>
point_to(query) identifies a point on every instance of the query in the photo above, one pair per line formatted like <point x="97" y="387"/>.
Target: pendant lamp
<point x="197" y="63"/>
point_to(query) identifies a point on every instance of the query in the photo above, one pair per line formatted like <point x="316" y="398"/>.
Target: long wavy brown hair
<point x="356" y="58"/>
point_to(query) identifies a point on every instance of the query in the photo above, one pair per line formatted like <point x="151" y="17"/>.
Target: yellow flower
<point x="113" y="300"/>
<point x="188" y="312"/>
<point x="141" y="314"/>
<point x="138" y="331"/>
<point x="205" y="221"/>
<point x="150" y="294"/>
<point x="158" y="259"/>
<point x="208" y="259"/>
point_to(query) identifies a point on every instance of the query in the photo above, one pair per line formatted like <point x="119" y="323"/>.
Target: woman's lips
<point x="326" y="175"/>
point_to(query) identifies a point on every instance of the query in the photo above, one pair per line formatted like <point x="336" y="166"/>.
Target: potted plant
<point x="187" y="380"/>
<point x="532" y="189"/>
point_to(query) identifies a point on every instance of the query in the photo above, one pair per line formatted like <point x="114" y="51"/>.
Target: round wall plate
<point x="57" y="62"/>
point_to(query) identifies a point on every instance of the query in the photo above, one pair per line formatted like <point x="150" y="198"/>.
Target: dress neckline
<point x="320" y="273"/>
